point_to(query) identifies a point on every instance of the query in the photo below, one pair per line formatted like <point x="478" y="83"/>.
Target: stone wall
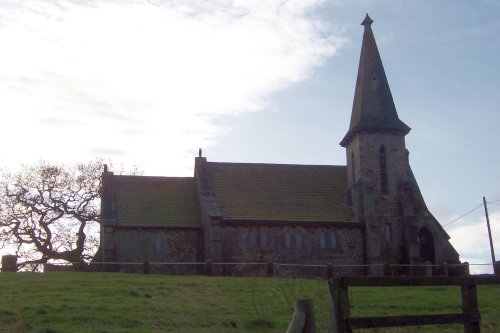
<point x="293" y="245"/>
<point x="386" y="198"/>
<point x="154" y="245"/>
<point x="365" y="149"/>
<point x="376" y="201"/>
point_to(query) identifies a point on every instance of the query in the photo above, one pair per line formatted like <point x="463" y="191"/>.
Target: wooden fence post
<point x="310" y="326"/>
<point x="270" y="269"/>
<point x="444" y="267"/>
<point x="340" y="305"/>
<point x="9" y="263"/>
<point x="208" y="267"/>
<point x="146" y="267"/>
<point x="329" y="271"/>
<point x="427" y="268"/>
<point x="469" y="305"/>
<point x="387" y="269"/>
<point x="303" y="320"/>
<point x="466" y="268"/>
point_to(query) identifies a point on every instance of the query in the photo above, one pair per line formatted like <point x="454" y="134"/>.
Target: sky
<point x="147" y="83"/>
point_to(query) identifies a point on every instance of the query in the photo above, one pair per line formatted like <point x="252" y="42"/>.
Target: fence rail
<point x="260" y="268"/>
<point x="264" y="268"/>
<point x="470" y="317"/>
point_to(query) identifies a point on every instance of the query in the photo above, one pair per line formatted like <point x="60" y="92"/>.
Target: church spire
<point x="373" y="110"/>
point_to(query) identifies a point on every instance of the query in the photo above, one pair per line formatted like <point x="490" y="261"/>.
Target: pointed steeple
<point x="373" y="109"/>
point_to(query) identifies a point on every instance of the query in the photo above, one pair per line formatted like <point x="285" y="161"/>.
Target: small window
<point x="383" y="171"/>
<point x="264" y="243"/>
<point x="252" y="239"/>
<point x="333" y="240"/>
<point x="353" y="168"/>
<point x="288" y="240"/>
<point x="322" y="240"/>
<point x="298" y="240"/>
<point x="388" y="232"/>
<point x="158" y="243"/>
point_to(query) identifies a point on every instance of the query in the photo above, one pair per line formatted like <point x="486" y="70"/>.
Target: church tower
<point x="381" y="187"/>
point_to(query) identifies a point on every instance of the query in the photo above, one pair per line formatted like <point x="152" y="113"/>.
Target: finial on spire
<point x="199" y="152"/>
<point x="367" y="20"/>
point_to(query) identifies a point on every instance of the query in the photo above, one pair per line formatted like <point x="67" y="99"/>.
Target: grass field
<point x="113" y="302"/>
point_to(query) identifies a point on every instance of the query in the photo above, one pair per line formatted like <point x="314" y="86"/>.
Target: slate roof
<point x="280" y="192"/>
<point x="156" y="201"/>
<point x="373" y="108"/>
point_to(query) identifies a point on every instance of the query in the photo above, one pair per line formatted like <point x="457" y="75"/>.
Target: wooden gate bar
<point x="403" y="281"/>
<point x="436" y="319"/>
<point x="470" y="317"/>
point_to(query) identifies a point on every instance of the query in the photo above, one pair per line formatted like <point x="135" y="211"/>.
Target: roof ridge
<point x="155" y="177"/>
<point x="279" y="164"/>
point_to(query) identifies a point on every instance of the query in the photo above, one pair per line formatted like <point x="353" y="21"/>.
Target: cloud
<point x="471" y="241"/>
<point x="160" y="70"/>
<point x="112" y="153"/>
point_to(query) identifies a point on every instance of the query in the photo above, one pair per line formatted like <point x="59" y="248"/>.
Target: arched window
<point x="322" y="240"/>
<point x="383" y="171"/>
<point x="388" y="232"/>
<point x="264" y="242"/>
<point x="252" y="239"/>
<point x="288" y="240"/>
<point x="158" y="243"/>
<point x="333" y="240"/>
<point x="298" y="240"/>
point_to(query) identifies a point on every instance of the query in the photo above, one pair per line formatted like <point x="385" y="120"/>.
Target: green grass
<point x="113" y="302"/>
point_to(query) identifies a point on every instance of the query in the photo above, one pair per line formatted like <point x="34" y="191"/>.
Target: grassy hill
<point x="113" y="302"/>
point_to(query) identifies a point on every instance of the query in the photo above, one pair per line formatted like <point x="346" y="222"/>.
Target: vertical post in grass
<point x="469" y="305"/>
<point x="270" y="269"/>
<point x="466" y="268"/>
<point x="9" y="263"/>
<point x="428" y="268"/>
<point x="303" y="320"/>
<point x="387" y="269"/>
<point x="310" y="326"/>
<point x="340" y="305"/>
<point x="329" y="271"/>
<point x="208" y="267"/>
<point x="444" y="268"/>
<point x="146" y="267"/>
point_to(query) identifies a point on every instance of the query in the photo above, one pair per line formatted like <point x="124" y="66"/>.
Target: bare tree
<point x="51" y="212"/>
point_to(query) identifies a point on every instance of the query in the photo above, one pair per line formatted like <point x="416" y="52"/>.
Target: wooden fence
<point x="209" y="268"/>
<point x="269" y="269"/>
<point x="470" y="317"/>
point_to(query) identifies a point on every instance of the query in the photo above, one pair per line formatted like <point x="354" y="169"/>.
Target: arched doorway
<point x="426" y="244"/>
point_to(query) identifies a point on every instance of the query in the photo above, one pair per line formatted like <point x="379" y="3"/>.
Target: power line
<point x="458" y="218"/>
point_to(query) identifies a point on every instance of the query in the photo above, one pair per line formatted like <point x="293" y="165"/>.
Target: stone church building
<point x="369" y="212"/>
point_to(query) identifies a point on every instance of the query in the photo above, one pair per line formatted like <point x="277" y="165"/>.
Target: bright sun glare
<point x="140" y="83"/>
